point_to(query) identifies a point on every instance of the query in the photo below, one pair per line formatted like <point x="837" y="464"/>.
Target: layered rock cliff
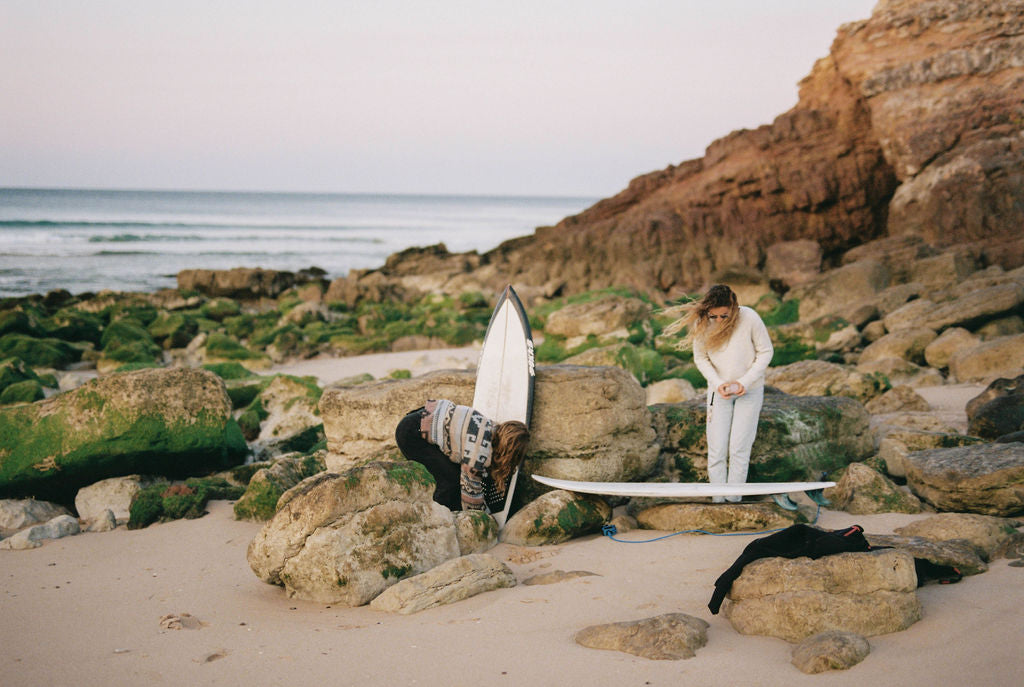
<point x="912" y="125"/>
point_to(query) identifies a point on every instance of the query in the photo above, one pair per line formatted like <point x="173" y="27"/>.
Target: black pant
<point x="414" y="447"/>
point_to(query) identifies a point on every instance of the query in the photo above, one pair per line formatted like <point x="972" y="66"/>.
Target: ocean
<point x="89" y="240"/>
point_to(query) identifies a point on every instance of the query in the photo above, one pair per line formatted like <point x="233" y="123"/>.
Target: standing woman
<point x="462" y="449"/>
<point x="732" y="349"/>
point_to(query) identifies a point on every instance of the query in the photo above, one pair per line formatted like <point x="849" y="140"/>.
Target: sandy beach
<point x="86" y="610"/>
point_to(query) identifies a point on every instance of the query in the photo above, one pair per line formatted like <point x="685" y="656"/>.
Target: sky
<point x="529" y="97"/>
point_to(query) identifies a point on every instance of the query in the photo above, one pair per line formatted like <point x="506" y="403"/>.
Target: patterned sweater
<point x="464" y="435"/>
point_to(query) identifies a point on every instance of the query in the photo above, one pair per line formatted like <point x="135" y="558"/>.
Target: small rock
<point x="830" y="651"/>
<point x="670" y="637"/>
<point x="476" y="531"/>
<point x="103" y="523"/>
<point x="556" y="576"/>
<point x="61" y="526"/>
<point x="719" y="517"/>
<point x="180" y="621"/>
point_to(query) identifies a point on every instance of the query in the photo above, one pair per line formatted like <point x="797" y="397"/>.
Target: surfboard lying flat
<point x="504" y="381"/>
<point x="680" y="489"/>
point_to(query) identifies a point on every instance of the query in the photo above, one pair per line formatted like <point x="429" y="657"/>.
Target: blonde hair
<point x="698" y="325"/>
<point x="510" y="439"/>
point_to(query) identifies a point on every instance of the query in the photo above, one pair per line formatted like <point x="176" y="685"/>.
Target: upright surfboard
<point x="504" y="382"/>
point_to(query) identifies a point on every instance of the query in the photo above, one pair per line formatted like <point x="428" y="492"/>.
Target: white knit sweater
<point x="743" y="359"/>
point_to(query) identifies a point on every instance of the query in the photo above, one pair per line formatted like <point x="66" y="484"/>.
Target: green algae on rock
<point x="173" y="422"/>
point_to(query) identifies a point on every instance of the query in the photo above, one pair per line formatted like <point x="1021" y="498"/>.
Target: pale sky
<point x="551" y="97"/>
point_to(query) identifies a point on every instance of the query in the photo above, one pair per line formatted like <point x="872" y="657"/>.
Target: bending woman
<point x="732" y="349"/>
<point x="461" y="448"/>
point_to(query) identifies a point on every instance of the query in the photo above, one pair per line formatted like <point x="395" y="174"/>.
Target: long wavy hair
<point x="697" y="323"/>
<point x="510" y="440"/>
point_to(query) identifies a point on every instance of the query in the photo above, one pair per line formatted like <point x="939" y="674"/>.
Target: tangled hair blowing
<point x="510" y="440"/>
<point x="697" y="324"/>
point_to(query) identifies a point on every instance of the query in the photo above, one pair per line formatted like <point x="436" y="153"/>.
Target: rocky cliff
<point x="912" y="125"/>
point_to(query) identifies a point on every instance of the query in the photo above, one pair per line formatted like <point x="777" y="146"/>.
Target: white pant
<point x="732" y="426"/>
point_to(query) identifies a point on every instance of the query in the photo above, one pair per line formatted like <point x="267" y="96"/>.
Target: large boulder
<point x="908" y="344"/>
<point x="985" y="533"/>
<point x="981" y="478"/>
<point x="607" y="316"/>
<point x="114" y="494"/>
<point x="588" y="423"/>
<point x="174" y="422"/>
<point x="898" y="399"/>
<point x="957" y="553"/>
<point x="841" y="290"/>
<point x="821" y="378"/>
<point x="1001" y="357"/>
<point x="863" y="490"/>
<point x="241" y="282"/>
<point x="798" y="438"/>
<point x="898" y="437"/>
<point x="939" y="352"/>
<point x="719" y="517"/>
<point x="998" y="410"/>
<point x="344" y="538"/>
<point x="869" y="593"/>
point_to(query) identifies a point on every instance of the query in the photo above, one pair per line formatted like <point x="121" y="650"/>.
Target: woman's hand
<point x="731" y="389"/>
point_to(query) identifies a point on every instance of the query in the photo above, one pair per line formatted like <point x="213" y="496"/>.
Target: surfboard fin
<point x="818" y="497"/>
<point x="783" y="501"/>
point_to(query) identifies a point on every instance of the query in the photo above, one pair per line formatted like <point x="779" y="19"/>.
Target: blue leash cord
<point x="610" y="531"/>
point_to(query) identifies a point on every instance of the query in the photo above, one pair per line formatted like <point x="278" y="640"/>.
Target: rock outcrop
<point x="910" y="126"/>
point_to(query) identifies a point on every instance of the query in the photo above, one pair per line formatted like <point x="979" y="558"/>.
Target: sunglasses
<point x="718" y="317"/>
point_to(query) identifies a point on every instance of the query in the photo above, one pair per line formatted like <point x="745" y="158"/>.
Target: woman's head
<point x="712" y="319"/>
<point x="510" y="440"/>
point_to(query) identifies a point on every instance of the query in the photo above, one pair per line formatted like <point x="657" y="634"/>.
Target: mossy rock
<point x="128" y="333"/>
<point x="71" y="324"/>
<point x="163" y="501"/>
<point x="132" y="352"/>
<point x="35" y="352"/>
<point x="14" y="370"/>
<point x="556" y="517"/>
<point x="27" y="391"/>
<point x="259" y="502"/>
<point x="16" y="321"/>
<point x="172" y="330"/>
<point x="221" y="347"/>
<point x="230" y="371"/>
<point x="173" y="422"/>
<point x="219" y="309"/>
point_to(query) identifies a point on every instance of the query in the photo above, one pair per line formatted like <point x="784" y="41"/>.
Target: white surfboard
<point x="504" y="381"/>
<point x="680" y="489"/>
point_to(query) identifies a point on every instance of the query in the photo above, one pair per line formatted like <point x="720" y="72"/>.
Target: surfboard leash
<point x="610" y="531"/>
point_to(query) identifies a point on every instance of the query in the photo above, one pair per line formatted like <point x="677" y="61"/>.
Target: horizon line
<point x="302" y="193"/>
